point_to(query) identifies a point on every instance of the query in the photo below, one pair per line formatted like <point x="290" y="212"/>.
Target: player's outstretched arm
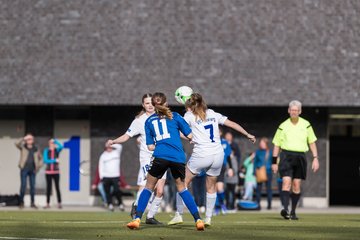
<point x="240" y="129"/>
<point x="123" y="138"/>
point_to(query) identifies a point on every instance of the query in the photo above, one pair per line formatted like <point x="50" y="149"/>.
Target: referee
<point x="294" y="137"/>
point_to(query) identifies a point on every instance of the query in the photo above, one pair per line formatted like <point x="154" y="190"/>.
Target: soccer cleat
<point x="134" y="224"/>
<point x="200" y="225"/>
<point x="285" y="214"/>
<point x="223" y="209"/>
<point x="207" y="222"/>
<point x="293" y="216"/>
<point x="153" y="221"/>
<point x="133" y="211"/>
<point x="177" y="219"/>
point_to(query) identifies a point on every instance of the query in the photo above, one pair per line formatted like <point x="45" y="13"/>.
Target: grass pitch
<point x="242" y="225"/>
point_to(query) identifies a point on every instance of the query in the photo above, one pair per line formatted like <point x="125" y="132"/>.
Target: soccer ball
<point x="182" y="94"/>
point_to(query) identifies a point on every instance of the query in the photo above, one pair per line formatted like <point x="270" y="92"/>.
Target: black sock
<point x="294" y="201"/>
<point x="286" y="196"/>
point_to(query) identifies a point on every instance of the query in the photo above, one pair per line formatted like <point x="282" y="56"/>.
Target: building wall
<point x="237" y="53"/>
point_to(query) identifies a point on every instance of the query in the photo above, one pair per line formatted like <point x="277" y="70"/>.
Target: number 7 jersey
<point x="206" y="135"/>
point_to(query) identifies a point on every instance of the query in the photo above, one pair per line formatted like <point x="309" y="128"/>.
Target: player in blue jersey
<point x="208" y="154"/>
<point x="163" y="137"/>
<point x="220" y="206"/>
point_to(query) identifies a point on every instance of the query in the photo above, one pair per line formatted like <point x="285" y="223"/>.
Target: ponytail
<point x="159" y="102"/>
<point x="197" y="105"/>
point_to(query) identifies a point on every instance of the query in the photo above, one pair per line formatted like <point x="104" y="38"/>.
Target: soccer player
<point x="208" y="153"/>
<point x="137" y="127"/>
<point x="163" y="137"/>
<point x="293" y="137"/>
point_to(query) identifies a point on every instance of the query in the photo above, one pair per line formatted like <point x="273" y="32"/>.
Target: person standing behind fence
<point x="263" y="158"/>
<point x="30" y="162"/>
<point x="293" y="137"/>
<point x="52" y="172"/>
<point x="109" y="171"/>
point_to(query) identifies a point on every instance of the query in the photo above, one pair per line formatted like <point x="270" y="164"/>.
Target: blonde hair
<point x="159" y="102"/>
<point x="197" y="105"/>
<point x="146" y="95"/>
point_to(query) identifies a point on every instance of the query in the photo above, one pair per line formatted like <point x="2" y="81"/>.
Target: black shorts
<point x="292" y="164"/>
<point x="221" y="177"/>
<point x="160" y="166"/>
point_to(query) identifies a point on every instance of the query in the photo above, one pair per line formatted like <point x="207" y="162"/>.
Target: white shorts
<point x="143" y="171"/>
<point x="211" y="164"/>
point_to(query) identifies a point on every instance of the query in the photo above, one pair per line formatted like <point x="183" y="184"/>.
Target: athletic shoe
<point x="177" y="219"/>
<point x="293" y="216"/>
<point x="33" y="206"/>
<point x="21" y="205"/>
<point x="134" y="224"/>
<point x="207" y="222"/>
<point x="223" y="209"/>
<point x="216" y="211"/>
<point x="122" y="207"/>
<point x="200" y="225"/>
<point x="153" y="221"/>
<point x="285" y="214"/>
<point x="111" y="207"/>
<point x="133" y="211"/>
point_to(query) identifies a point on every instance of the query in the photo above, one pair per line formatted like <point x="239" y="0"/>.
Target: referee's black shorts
<point x="292" y="164"/>
<point x="159" y="166"/>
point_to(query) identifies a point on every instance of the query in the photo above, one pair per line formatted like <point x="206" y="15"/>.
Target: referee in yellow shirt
<point x="294" y="137"/>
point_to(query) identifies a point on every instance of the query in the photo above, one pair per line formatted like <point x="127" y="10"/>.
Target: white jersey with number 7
<point x="206" y="135"/>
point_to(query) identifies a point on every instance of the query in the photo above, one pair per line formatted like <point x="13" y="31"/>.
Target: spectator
<point x="230" y="139"/>
<point x="109" y="172"/>
<point x="98" y="184"/>
<point x="263" y="157"/>
<point x="30" y="162"/>
<point x="52" y="172"/>
<point x="231" y="182"/>
<point x="250" y="180"/>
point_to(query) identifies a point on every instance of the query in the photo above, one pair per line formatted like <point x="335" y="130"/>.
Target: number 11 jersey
<point x="206" y="135"/>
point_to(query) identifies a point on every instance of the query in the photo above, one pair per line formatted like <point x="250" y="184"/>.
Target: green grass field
<point x="243" y="225"/>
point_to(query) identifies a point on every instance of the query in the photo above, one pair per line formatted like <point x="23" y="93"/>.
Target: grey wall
<point x="247" y="53"/>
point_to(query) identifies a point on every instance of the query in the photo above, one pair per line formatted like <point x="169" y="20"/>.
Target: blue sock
<point x="221" y="197"/>
<point x="142" y="203"/>
<point x="190" y="204"/>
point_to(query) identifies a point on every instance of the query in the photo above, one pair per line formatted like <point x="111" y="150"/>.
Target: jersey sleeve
<point x="220" y="118"/>
<point x="135" y="128"/>
<point x="311" y="138"/>
<point x="183" y="125"/>
<point x="278" y="137"/>
<point x="187" y="117"/>
<point x="149" y="135"/>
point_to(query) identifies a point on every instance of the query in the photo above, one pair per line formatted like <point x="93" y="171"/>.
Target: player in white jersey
<point x="208" y="153"/>
<point x="137" y="127"/>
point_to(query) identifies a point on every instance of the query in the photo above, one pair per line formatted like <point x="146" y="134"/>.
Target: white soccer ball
<point x="183" y="93"/>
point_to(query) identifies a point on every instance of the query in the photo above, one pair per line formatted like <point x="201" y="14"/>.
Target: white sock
<point x="138" y="196"/>
<point x="179" y="204"/>
<point x="210" y="204"/>
<point x="154" y="207"/>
